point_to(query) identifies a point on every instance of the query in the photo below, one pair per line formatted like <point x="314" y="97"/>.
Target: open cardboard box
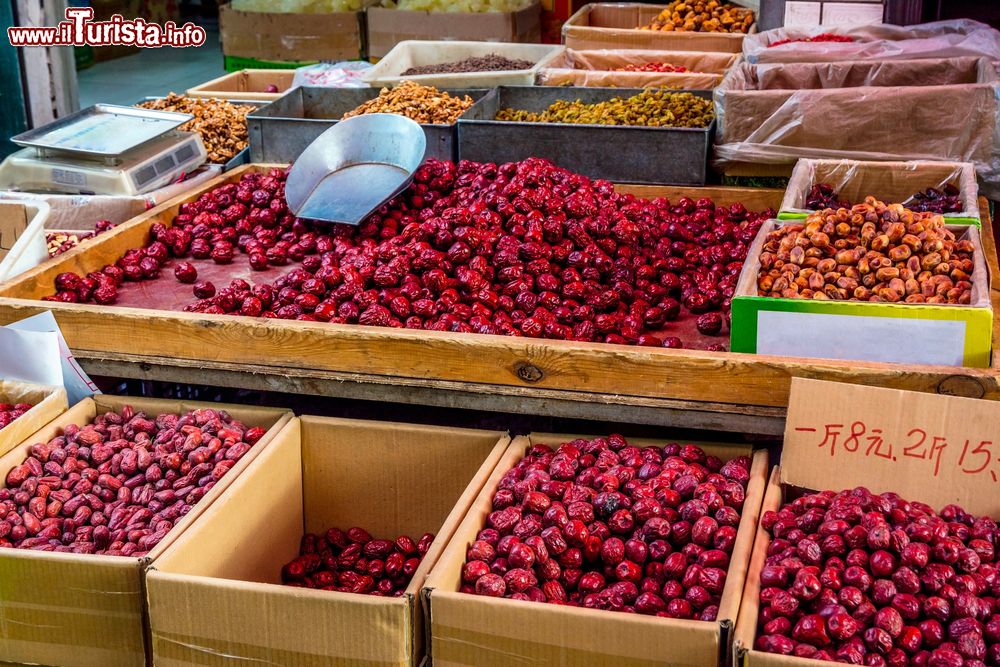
<point x="615" y="25"/>
<point x="904" y="462"/>
<point x="77" y="610"/>
<point x="905" y="333"/>
<point x="476" y="630"/>
<point x="47" y="404"/>
<point x="891" y="182"/>
<point x="248" y="85"/>
<point x="218" y="592"/>
<point x="388" y="27"/>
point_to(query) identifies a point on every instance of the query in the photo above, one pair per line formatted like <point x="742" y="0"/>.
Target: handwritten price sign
<point x="937" y="449"/>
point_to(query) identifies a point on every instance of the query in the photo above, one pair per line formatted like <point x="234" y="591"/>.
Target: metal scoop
<point x="353" y="168"/>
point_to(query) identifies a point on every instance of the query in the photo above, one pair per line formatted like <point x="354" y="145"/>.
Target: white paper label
<point x="801" y="14"/>
<point x="852" y="13"/>
<point x="861" y="338"/>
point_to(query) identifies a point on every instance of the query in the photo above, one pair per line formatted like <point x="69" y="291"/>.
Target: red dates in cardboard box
<point x="861" y="578"/>
<point x="9" y="412"/>
<point x="118" y="485"/>
<point x="354" y="562"/>
<point x="606" y="525"/>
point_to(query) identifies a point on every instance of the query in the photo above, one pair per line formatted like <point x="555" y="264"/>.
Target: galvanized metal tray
<point x="102" y="130"/>
<point x="280" y="131"/>
<point x="624" y="154"/>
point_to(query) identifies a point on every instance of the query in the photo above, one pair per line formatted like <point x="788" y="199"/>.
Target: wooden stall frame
<point x="718" y="390"/>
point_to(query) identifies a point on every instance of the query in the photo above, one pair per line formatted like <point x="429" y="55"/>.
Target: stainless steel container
<point x="280" y="131"/>
<point x="623" y="154"/>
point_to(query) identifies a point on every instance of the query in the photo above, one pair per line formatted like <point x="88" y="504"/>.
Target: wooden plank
<point x="463" y="395"/>
<point x="755" y="199"/>
<point x="686" y="375"/>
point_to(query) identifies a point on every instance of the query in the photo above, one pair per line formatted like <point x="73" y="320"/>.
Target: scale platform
<point x="105" y="150"/>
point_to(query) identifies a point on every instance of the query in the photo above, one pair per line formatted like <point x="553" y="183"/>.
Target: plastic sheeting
<point x="894" y="110"/>
<point x="942" y="39"/>
<point x="597" y="68"/>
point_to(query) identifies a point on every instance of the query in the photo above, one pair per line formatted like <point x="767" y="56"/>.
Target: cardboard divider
<point x="83" y="610"/>
<point x="47" y="404"/>
<point x="218" y="591"/>
<point x="615" y="25"/>
<point x="891" y="182"/>
<point x="920" y="446"/>
<point x="477" y="630"/>
<point x="246" y="85"/>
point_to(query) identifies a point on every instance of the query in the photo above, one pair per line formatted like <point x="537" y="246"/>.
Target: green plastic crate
<point x="237" y="63"/>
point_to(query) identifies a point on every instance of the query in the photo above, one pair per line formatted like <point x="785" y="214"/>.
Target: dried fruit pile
<point x="10" y="411"/>
<point x="876" y="580"/>
<point x="221" y="124"/>
<point x="60" y="242"/>
<point x="606" y="525"/>
<point x="492" y="62"/>
<point x="871" y="252"/>
<point x="822" y="37"/>
<point x="423" y="104"/>
<point x="521" y="249"/>
<point x="702" y="16"/>
<point x="932" y="200"/>
<point x="650" y="108"/>
<point x="117" y="486"/>
<point x="652" y="67"/>
<point x="354" y="562"/>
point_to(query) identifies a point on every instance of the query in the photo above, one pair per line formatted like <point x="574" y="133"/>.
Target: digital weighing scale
<point x="105" y="149"/>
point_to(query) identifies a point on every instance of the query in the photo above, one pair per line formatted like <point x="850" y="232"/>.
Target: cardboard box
<point x="218" y="591"/>
<point x="917" y="469"/>
<point x="601" y="68"/>
<point x="906" y="333"/>
<point x="301" y="37"/>
<point x="22" y="236"/>
<point x="48" y="403"/>
<point x="891" y="182"/>
<point x="389" y="27"/>
<point x="610" y="25"/>
<point x="246" y="85"/>
<point x="476" y="630"/>
<point x="84" y="610"/>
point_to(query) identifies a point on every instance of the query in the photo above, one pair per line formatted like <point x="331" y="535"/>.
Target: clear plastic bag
<point x="895" y="110"/>
<point x="942" y="39"/>
<point x="893" y="182"/>
<point x="597" y="68"/>
<point x="346" y="74"/>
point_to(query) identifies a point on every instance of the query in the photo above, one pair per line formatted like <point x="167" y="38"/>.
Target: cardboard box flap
<point x="935" y="449"/>
<point x="47" y="404"/>
<point x="13" y="222"/>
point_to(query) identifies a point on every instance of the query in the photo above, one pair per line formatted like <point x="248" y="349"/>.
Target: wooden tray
<point x="453" y="361"/>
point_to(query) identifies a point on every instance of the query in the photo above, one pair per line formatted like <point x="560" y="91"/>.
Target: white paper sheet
<point x="34" y="350"/>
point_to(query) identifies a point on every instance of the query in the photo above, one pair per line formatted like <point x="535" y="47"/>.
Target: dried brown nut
<point x="221" y="124"/>
<point x="423" y="104"/>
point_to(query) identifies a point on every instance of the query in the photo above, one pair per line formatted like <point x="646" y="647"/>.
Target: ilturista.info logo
<point x="80" y="29"/>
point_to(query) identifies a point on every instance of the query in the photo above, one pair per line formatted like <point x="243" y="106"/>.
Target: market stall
<point x="475" y="361"/>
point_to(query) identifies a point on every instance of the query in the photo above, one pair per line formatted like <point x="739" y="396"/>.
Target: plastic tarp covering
<point x="597" y="68"/>
<point x="896" y="110"/>
<point x="942" y="39"/>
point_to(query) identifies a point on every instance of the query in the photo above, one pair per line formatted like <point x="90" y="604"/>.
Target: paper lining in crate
<point x="911" y="444"/>
<point x="467" y="629"/>
<point x="47" y="404"/>
<point x="245" y="85"/>
<point x="317" y="474"/>
<point x="853" y="180"/>
<point x="82" y="610"/>
<point x="600" y="68"/>
<point x="906" y="333"/>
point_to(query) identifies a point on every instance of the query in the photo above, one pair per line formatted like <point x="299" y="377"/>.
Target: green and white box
<point x="891" y="182"/>
<point x="910" y="333"/>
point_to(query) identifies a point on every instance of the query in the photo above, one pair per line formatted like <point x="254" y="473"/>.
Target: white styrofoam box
<point x="412" y="53"/>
